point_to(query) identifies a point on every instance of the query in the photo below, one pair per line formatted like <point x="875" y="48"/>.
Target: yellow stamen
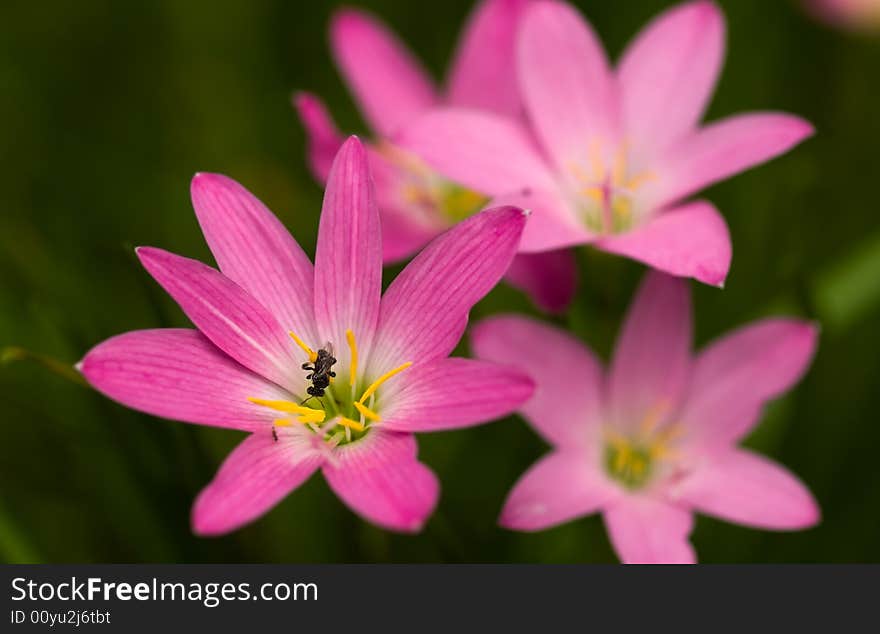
<point x="352" y="344"/>
<point x="639" y="179"/>
<point x="347" y="422"/>
<point x="367" y="412"/>
<point x="313" y="415"/>
<point x="378" y="382"/>
<point x="281" y="422"/>
<point x="302" y="344"/>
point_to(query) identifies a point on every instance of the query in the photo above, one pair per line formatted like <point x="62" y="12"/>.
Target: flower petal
<point x="568" y="380"/>
<point x="548" y="278"/>
<point x="558" y="488"/>
<point x="723" y="149"/>
<point x="324" y="140"/>
<point x="254" y="250"/>
<point x="481" y="76"/>
<point x="380" y="478"/>
<point x="652" y="358"/>
<point x="390" y="86"/>
<point x="668" y="73"/>
<point x="480" y="150"/>
<point x="224" y="312"/>
<point x="551" y="225"/>
<point x="453" y="393"/>
<point x="566" y="82"/>
<point x="743" y="487"/>
<point x="257" y="475"/>
<point x="689" y="241"/>
<point x="424" y="311"/>
<point x="348" y="257"/>
<point x="179" y="374"/>
<point x="648" y="531"/>
<point x="734" y="377"/>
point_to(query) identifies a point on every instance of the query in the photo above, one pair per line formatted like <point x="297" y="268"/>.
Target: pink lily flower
<point x="321" y="369"/>
<point x="392" y="89"/>
<point x="610" y="154"/>
<point x="654" y="439"/>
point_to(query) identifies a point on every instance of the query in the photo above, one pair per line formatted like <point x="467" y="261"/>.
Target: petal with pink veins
<point x="548" y="278"/>
<point x="480" y="76"/>
<point x="348" y="257"/>
<point x="645" y="530"/>
<point x="689" y="241"/>
<point x="725" y="148"/>
<point x="324" y="139"/>
<point x="390" y="85"/>
<point x="179" y="374"/>
<point x="566" y="82"/>
<point x="255" y="477"/>
<point x="651" y="364"/>
<point x="559" y="487"/>
<point x="424" y="311"/>
<point x="480" y="150"/>
<point x="668" y="73"/>
<point x="746" y="488"/>
<point x="254" y="250"/>
<point x="452" y="393"/>
<point x="567" y="404"/>
<point x="735" y="376"/>
<point x="226" y="314"/>
<point x="380" y="478"/>
<point x="551" y="225"/>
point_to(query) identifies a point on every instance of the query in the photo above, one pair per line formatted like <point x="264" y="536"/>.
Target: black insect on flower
<point x="320" y="372"/>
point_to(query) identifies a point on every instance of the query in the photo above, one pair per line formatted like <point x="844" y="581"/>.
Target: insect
<point x="274" y="434"/>
<point x="320" y="372"/>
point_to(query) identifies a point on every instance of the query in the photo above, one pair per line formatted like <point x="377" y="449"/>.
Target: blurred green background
<point x="109" y="108"/>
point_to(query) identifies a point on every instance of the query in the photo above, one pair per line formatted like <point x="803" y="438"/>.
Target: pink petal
<point x="558" y="488"/>
<point x="179" y="374"/>
<point x="566" y="82"/>
<point x="348" y="257"/>
<point x="567" y="401"/>
<point x="254" y="250"/>
<point x="480" y="150"/>
<point x="388" y="83"/>
<point x="548" y="278"/>
<point x="689" y="241"/>
<point x="725" y="148"/>
<point x="324" y="140"/>
<point x="424" y="311"/>
<point x="735" y="376"/>
<point x="481" y="74"/>
<point x="648" y="531"/>
<point x="257" y="475"/>
<point x="224" y="312"/>
<point x="380" y="479"/>
<point x="453" y="393"/>
<point x="743" y="487"/>
<point x="668" y="73"/>
<point x="551" y="225"/>
<point x="651" y="362"/>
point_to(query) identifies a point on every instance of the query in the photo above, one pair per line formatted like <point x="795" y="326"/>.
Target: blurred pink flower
<point x="609" y="155"/>
<point x="851" y="14"/>
<point x="655" y="439"/>
<point x="266" y="313"/>
<point x="392" y="89"/>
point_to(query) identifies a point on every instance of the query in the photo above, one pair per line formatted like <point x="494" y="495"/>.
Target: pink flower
<point x="851" y="14"/>
<point x="609" y="155"/>
<point x="268" y="314"/>
<point x="393" y="89"/>
<point x="655" y="439"/>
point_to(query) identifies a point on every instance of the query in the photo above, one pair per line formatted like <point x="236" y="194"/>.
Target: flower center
<point x="607" y="190"/>
<point x="337" y="413"/>
<point x="636" y="459"/>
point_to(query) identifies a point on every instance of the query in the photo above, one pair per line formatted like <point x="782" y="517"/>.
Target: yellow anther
<point x="312" y="415"/>
<point x="638" y="180"/>
<point x="302" y="344"/>
<point x="352" y="424"/>
<point x="281" y="422"/>
<point x="378" y="382"/>
<point x="367" y="412"/>
<point x="352" y="344"/>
